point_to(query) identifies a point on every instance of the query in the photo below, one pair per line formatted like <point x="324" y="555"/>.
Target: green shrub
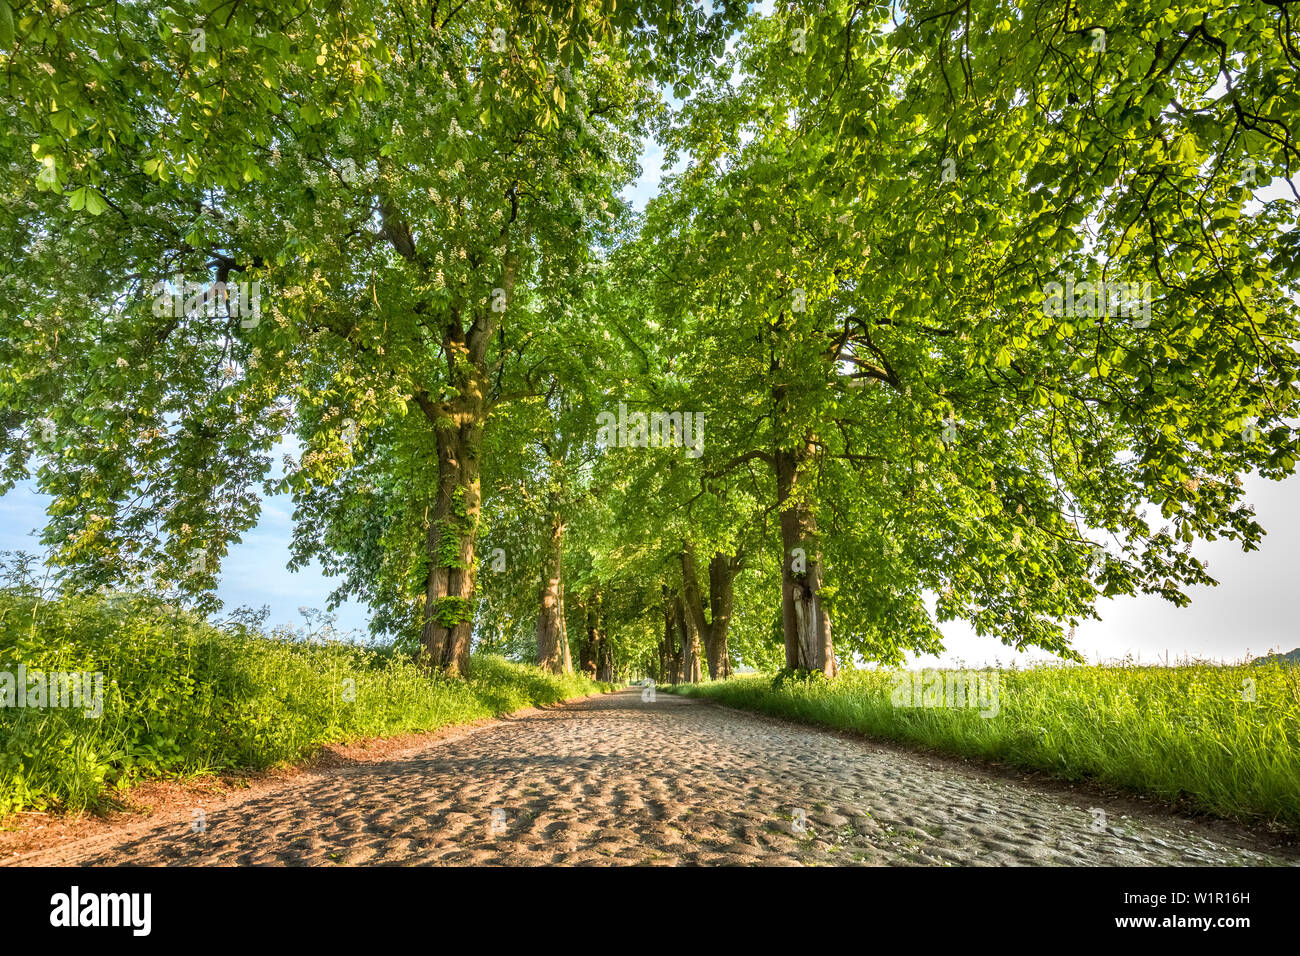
<point x="183" y="697"/>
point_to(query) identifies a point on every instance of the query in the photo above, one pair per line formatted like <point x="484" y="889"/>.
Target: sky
<point x="1250" y="612"/>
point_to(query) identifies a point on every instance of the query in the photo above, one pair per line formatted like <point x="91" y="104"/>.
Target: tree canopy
<point x="977" y="311"/>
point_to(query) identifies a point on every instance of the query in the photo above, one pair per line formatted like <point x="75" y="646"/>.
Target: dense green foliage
<point x="848" y="273"/>
<point x="184" y="697"/>
<point x="1223" y="740"/>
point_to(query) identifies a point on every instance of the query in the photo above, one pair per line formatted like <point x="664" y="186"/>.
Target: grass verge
<point x="182" y="697"/>
<point x="1217" y="739"/>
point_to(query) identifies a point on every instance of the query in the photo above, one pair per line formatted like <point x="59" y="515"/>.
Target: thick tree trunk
<point x="605" y="661"/>
<point x="597" y="651"/>
<point x="691" y="672"/>
<point x="713" y="628"/>
<point x="552" y="634"/>
<point x="670" y="654"/>
<point x="566" y="661"/>
<point x="450" y="539"/>
<point x="458" y="424"/>
<point x="589" y="650"/>
<point x="805" y="622"/>
<point x="722" y="575"/>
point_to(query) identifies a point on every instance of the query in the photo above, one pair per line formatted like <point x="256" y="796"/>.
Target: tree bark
<point x="589" y="652"/>
<point x="670" y="655"/>
<point x="450" y="541"/>
<point x="597" y="650"/>
<point x="605" y="661"/>
<point x="805" y="621"/>
<point x="452" y="531"/>
<point x="712" y="628"/>
<point x="552" y="633"/>
<point x="691" y="671"/>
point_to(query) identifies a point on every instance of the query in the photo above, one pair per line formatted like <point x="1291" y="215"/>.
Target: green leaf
<point x="6" y="25"/>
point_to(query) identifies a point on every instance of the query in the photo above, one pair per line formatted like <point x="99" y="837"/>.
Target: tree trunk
<point x="458" y="424"/>
<point x="590" y="648"/>
<point x="552" y="635"/>
<point x="670" y="654"/>
<point x="691" y="672"/>
<point x="805" y="622"/>
<point x="566" y="660"/>
<point x="605" y="661"/>
<point x="722" y="576"/>
<point x="713" y="628"/>
<point x="450" y="539"/>
<point x="597" y="651"/>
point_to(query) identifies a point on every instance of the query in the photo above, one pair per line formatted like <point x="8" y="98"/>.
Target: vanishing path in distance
<point x="618" y="780"/>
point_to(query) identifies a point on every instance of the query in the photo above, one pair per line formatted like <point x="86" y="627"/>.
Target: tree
<point x="866" y="237"/>
<point x="963" y="293"/>
<point x="396" y="177"/>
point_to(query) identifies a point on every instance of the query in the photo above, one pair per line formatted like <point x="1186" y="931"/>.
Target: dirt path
<point x="616" y="779"/>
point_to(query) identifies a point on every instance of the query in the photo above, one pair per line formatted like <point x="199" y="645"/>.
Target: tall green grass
<point x="1189" y="733"/>
<point x="184" y="697"/>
